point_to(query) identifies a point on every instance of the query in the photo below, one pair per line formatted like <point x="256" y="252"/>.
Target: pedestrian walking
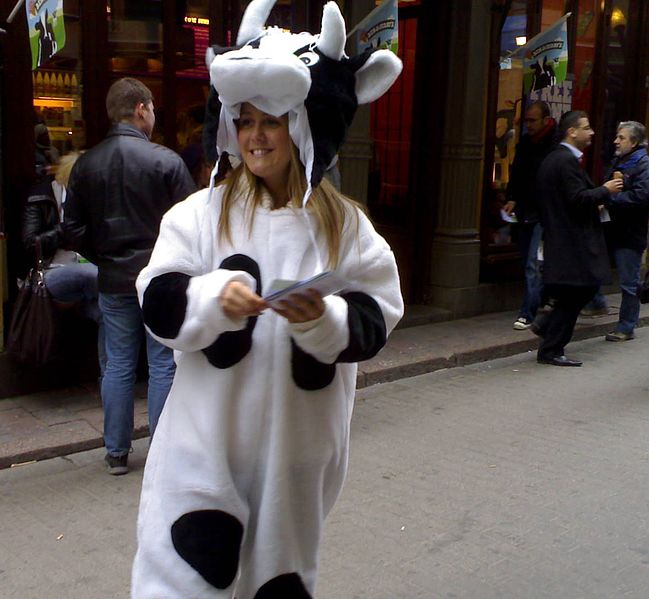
<point x="251" y="449"/>
<point x="575" y="255"/>
<point x="532" y="149"/>
<point x="117" y="194"/>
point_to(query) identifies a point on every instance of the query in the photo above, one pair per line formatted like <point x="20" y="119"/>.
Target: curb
<point x="406" y="367"/>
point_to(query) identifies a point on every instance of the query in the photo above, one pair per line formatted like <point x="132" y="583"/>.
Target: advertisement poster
<point x="46" y="29"/>
<point x="545" y="61"/>
<point x="379" y="29"/>
<point x="558" y="97"/>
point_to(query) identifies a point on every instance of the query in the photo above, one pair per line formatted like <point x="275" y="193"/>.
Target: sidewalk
<point x="55" y="423"/>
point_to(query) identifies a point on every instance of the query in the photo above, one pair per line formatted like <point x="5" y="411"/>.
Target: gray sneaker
<point x="619" y="336"/>
<point x="522" y="324"/>
<point x="117" y="464"/>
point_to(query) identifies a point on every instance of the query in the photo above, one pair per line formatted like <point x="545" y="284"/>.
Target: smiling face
<point x="264" y="143"/>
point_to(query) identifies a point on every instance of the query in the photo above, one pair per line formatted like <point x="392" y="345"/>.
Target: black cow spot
<point x="164" y="304"/>
<point x="209" y="541"/>
<point x="367" y="330"/>
<point x="285" y="586"/>
<point x="308" y="373"/>
<point x="231" y="347"/>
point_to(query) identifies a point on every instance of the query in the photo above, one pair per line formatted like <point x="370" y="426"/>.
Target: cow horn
<point x="332" y="35"/>
<point x="253" y="21"/>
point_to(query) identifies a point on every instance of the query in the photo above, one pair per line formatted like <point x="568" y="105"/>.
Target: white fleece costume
<point x="250" y="451"/>
<point x="242" y="449"/>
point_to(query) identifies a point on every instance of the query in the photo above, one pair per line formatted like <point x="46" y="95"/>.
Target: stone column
<point x="356" y="153"/>
<point x="455" y="250"/>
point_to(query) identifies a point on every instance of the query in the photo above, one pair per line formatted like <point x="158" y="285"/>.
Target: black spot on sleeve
<point x="308" y="373"/>
<point x="164" y="304"/>
<point x="231" y="347"/>
<point x="367" y="330"/>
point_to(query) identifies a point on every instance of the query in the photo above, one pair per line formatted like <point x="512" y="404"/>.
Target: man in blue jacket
<point x="629" y="212"/>
<point x="116" y="197"/>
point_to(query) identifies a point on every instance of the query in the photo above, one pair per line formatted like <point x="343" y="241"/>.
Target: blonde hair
<point x="64" y="168"/>
<point x="331" y="208"/>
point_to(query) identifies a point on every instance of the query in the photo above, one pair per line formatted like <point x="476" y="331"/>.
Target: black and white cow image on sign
<point x="307" y="76"/>
<point x="46" y="41"/>
<point x="250" y="452"/>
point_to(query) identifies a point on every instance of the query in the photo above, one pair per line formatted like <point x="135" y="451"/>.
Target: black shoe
<point x="116" y="464"/>
<point x="559" y="361"/>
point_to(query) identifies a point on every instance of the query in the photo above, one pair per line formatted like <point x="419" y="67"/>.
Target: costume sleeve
<point x="357" y="322"/>
<point x="178" y="295"/>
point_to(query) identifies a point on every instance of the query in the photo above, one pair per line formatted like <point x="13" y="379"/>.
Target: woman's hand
<point x="301" y="307"/>
<point x="239" y="301"/>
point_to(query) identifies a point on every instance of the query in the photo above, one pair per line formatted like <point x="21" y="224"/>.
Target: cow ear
<point x="376" y="76"/>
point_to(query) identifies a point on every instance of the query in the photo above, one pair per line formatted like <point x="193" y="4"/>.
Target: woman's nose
<point x="258" y="131"/>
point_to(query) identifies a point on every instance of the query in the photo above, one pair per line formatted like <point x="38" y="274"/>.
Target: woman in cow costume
<point x="251" y="449"/>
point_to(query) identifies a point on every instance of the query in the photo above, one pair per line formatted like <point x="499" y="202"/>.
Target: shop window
<point x="57" y="89"/>
<point x="390" y="130"/>
<point x="192" y="89"/>
<point x="616" y="108"/>
<point x="584" y="62"/>
<point x="497" y="231"/>
<point x="135" y="47"/>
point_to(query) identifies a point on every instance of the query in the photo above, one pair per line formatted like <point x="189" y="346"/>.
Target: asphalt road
<point x="504" y="479"/>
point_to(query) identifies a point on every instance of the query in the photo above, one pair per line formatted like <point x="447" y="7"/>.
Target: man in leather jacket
<point x="117" y="195"/>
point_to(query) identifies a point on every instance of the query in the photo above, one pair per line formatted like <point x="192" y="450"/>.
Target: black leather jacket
<point x="116" y="197"/>
<point x="41" y="222"/>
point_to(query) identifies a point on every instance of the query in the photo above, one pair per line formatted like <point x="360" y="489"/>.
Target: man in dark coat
<point x="116" y="197"/>
<point x="575" y="255"/>
<point x="629" y="216"/>
<point x="531" y="150"/>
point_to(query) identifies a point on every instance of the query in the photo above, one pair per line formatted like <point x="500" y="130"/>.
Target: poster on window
<point x="379" y="29"/>
<point x="545" y="59"/>
<point x="46" y="29"/>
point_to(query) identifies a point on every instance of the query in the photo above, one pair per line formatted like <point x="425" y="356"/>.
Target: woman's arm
<point x="180" y="297"/>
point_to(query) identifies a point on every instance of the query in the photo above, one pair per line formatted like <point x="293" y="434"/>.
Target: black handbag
<point x="33" y="331"/>
<point x="643" y="290"/>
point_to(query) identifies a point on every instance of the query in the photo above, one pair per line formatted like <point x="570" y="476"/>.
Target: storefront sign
<point x="46" y="29"/>
<point x="558" y="97"/>
<point x="545" y="62"/>
<point x="379" y="29"/>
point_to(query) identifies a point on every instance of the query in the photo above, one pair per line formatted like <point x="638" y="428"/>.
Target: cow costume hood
<point x="307" y="76"/>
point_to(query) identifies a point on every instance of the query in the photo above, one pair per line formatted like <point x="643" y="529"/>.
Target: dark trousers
<point x="556" y="327"/>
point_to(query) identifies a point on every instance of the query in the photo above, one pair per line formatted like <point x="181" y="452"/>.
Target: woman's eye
<point x="309" y="58"/>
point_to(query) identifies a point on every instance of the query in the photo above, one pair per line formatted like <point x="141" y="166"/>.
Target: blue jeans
<point x="76" y="283"/>
<point x="628" y="262"/>
<point x="529" y="240"/>
<point x="598" y="302"/>
<point x="124" y="333"/>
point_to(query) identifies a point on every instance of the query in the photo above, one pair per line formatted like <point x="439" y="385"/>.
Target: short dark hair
<point x="544" y="107"/>
<point x="123" y="96"/>
<point x="569" y="120"/>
